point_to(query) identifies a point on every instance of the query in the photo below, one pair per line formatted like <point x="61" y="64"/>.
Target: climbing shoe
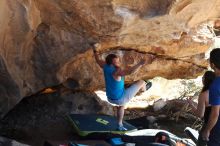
<point x="148" y="85"/>
<point x="121" y="128"/>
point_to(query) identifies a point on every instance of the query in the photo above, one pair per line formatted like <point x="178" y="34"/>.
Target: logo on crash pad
<point x="102" y="121"/>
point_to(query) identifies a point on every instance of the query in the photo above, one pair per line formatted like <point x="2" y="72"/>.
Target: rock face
<point x="43" y="43"/>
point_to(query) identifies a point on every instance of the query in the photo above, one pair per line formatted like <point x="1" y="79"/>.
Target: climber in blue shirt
<point x="211" y="132"/>
<point x="114" y="83"/>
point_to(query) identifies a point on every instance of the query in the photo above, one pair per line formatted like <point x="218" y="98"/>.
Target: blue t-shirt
<point x="114" y="88"/>
<point x="214" y="96"/>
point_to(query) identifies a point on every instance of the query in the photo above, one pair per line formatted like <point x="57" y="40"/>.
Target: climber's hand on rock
<point x="151" y="58"/>
<point x="142" y="61"/>
<point x="93" y="46"/>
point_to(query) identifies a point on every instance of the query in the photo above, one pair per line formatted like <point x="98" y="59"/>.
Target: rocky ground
<point x="166" y="119"/>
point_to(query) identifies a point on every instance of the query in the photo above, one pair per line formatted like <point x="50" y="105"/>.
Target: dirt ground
<point x="173" y="118"/>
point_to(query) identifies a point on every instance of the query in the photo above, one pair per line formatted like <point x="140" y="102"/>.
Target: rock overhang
<point x="45" y="43"/>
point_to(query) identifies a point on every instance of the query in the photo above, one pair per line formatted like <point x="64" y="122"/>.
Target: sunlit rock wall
<point x="45" y="42"/>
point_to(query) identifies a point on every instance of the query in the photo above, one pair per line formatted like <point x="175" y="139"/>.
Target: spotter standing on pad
<point x="203" y="108"/>
<point x="211" y="132"/>
<point x="114" y="83"/>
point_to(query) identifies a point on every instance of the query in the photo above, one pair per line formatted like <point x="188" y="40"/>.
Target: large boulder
<point x="43" y="43"/>
<point x="43" y="117"/>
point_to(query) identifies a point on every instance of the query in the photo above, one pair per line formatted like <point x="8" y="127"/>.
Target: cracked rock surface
<point x="45" y="43"/>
